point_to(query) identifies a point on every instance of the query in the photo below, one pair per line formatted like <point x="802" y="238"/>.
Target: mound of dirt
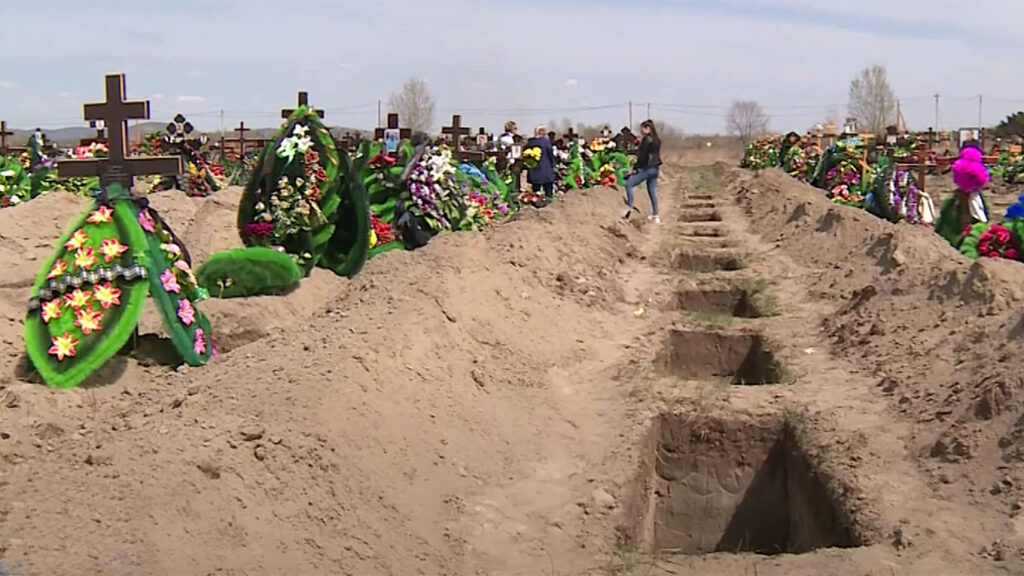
<point x="940" y="333"/>
<point x="345" y="424"/>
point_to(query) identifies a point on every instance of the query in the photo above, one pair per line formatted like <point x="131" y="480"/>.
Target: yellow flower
<point x="63" y="346"/>
<point x="77" y="240"/>
<point x="51" y="310"/>
<point x="100" y="215"/>
<point x="112" y="249"/>
<point x="77" y="299"/>
<point x="85" y="258"/>
<point x="59" y="267"/>
<point x="88" y="320"/>
<point x="107" y="295"/>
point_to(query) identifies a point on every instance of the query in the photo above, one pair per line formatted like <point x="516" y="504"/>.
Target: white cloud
<point x="572" y="83"/>
<point x="7" y="85"/>
<point x="191" y="99"/>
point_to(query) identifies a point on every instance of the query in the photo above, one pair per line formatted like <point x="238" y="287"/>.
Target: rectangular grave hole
<point x="733" y="485"/>
<point x="737" y="302"/>
<point x="700" y="216"/>
<point x="743" y="358"/>
<point x="707" y="261"/>
<point x="699" y="231"/>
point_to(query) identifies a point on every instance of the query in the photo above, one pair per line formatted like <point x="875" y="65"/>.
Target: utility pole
<point x="937" y="113"/>
<point x="630" y="115"/>
<point x="899" y="117"/>
<point x="222" y="133"/>
<point x="648" y="113"/>
<point x="981" y="129"/>
<point x="379" y="124"/>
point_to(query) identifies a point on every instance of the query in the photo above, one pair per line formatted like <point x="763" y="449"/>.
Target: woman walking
<point x="542" y="176"/>
<point x="648" y="163"/>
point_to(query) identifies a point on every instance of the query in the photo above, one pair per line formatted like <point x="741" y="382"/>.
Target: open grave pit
<point x="726" y="300"/>
<point x="700" y="215"/>
<point x="704" y="260"/>
<point x="710" y="484"/>
<point x="743" y="358"/>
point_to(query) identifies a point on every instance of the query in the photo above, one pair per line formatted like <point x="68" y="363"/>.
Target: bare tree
<point x="414" y="105"/>
<point x="746" y="119"/>
<point x="872" y="101"/>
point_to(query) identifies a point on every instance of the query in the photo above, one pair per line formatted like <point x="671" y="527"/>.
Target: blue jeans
<point x="650" y="176"/>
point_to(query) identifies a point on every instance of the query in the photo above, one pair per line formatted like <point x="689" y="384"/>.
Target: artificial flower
<point x="146" y="221"/>
<point x="100" y="215"/>
<point x="59" y="267"/>
<point x="88" y="320"/>
<point x="186" y="312"/>
<point x="169" y="282"/>
<point x="51" y="310"/>
<point x="199" y="344"/>
<point x="63" y="346"/>
<point x="77" y="299"/>
<point x="85" y="258"/>
<point x="107" y="295"/>
<point x="111" y="249"/>
<point x="77" y="240"/>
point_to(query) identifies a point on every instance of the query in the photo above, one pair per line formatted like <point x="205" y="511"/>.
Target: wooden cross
<point x="303" y="101"/>
<point x="241" y="137"/>
<point x="4" y="133"/>
<point x="570" y="136"/>
<point x="456" y="131"/>
<point x="117" y="168"/>
<point x="403" y="133"/>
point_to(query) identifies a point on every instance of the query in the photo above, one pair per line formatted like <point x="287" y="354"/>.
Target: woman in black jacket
<point x="648" y="163"/>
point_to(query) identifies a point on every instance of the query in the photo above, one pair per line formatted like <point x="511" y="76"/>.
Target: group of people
<point x="542" y="176"/>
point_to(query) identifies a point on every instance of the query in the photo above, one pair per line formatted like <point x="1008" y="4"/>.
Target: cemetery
<point x="295" y="347"/>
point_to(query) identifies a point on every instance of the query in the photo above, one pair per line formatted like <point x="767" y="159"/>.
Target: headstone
<point x="393" y="133"/>
<point x="115" y="112"/>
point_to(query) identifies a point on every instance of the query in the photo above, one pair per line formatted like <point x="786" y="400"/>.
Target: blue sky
<point x="491" y="60"/>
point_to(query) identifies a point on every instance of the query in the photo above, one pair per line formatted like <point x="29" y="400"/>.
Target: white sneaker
<point x="656" y="219"/>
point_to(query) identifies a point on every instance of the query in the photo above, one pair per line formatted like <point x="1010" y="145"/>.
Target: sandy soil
<point x="563" y="394"/>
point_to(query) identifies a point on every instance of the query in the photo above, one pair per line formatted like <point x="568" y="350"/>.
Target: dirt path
<point x="565" y="394"/>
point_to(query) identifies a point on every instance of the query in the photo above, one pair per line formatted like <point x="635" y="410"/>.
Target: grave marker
<point x="570" y="136"/>
<point x="456" y="131"/>
<point x="101" y="134"/>
<point x="240" y="138"/>
<point x="4" y="133"/>
<point x="303" y="101"/>
<point x="392" y="124"/>
<point x="117" y="168"/>
<point x="482" y="139"/>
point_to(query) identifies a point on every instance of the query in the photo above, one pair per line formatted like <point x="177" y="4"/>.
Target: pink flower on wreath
<point x="1011" y="254"/>
<point x="186" y="312"/>
<point x="199" y="344"/>
<point x="169" y="282"/>
<point x="146" y="221"/>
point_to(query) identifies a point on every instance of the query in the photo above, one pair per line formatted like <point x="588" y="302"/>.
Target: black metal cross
<point x="115" y="113"/>
<point x="456" y="131"/>
<point x="303" y="101"/>
<point x="4" y="133"/>
<point x="403" y="133"/>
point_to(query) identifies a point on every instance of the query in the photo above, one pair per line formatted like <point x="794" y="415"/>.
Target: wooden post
<point x="303" y="101"/>
<point x="117" y="168"/>
<point x="4" y="133"/>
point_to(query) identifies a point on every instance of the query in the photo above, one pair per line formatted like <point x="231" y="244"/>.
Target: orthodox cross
<point x="4" y="133"/>
<point x="403" y="133"/>
<point x="303" y="101"/>
<point x="456" y="131"/>
<point x="117" y="168"/>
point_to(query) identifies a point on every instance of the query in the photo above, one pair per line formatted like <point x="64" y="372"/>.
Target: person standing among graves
<point x="647" y="169"/>
<point x="508" y="138"/>
<point x="542" y="176"/>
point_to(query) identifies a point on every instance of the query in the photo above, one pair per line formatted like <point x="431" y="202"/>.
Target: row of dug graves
<point x="310" y="200"/>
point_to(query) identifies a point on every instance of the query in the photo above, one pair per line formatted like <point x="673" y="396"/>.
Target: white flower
<point x="300" y="131"/>
<point x="304" y="143"/>
<point x="7" y="173"/>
